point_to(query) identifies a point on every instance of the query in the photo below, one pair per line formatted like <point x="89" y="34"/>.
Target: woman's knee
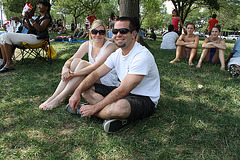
<point x="82" y="64"/>
<point x="74" y="63"/>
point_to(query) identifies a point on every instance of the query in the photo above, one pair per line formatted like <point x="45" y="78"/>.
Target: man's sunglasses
<point x="95" y="31"/>
<point x="122" y="31"/>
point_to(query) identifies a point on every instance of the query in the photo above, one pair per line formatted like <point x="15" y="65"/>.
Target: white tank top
<point x="110" y="79"/>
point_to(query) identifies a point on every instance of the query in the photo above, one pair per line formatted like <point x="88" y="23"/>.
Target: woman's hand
<point x="67" y="75"/>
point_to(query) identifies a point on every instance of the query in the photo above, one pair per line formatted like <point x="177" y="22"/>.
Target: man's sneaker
<point x="70" y="110"/>
<point x="114" y="125"/>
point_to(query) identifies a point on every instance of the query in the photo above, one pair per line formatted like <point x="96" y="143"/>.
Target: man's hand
<point x="75" y="100"/>
<point x="87" y="110"/>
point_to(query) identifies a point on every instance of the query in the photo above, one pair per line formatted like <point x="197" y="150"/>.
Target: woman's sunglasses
<point x="95" y="31"/>
<point x="122" y="31"/>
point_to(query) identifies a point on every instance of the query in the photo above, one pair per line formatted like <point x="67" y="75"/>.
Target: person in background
<point x="153" y="36"/>
<point x="211" y="23"/>
<point x="187" y="45"/>
<point x="169" y="38"/>
<point x="213" y="49"/>
<point x="40" y="26"/>
<point x="233" y="60"/>
<point x="111" y="21"/>
<point x="92" y="18"/>
<point x="175" y="21"/>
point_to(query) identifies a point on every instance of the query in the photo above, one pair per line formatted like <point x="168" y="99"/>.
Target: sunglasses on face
<point x="122" y="31"/>
<point x="95" y="31"/>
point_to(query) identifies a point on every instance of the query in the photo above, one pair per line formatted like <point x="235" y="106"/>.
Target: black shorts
<point x="141" y="106"/>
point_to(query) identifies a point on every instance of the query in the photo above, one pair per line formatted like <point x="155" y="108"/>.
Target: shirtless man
<point x="187" y="45"/>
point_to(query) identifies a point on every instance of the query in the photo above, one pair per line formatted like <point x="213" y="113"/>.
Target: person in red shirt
<point x="211" y="23"/>
<point x="92" y="18"/>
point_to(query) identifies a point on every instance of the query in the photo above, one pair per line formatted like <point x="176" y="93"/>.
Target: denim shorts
<point x="141" y="106"/>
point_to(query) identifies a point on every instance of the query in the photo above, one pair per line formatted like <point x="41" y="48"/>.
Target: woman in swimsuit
<point x="213" y="49"/>
<point x="75" y="69"/>
<point x="187" y="45"/>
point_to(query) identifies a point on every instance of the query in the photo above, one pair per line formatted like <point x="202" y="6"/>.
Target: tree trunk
<point x="129" y="8"/>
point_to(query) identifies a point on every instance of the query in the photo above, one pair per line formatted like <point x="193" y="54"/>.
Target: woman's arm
<point x="181" y="41"/>
<point x="193" y="44"/>
<point x="42" y="26"/>
<point x="220" y="45"/>
<point x="66" y="72"/>
<point x="87" y="70"/>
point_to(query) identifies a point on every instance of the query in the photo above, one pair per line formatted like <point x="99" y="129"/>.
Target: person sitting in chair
<point x="40" y="26"/>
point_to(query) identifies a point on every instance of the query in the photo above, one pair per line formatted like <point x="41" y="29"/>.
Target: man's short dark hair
<point x="214" y="16"/>
<point x="170" y="28"/>
<point x="132" y="25"/>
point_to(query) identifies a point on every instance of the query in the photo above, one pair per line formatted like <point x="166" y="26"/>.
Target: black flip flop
<point x="4" y="69"/>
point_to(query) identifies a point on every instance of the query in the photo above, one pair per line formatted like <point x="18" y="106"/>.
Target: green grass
<point x="197" y="117"/>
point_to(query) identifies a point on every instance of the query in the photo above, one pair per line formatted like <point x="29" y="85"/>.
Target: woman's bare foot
<point x="175" y="60"/>
<point x="42" y="106"/>
<point x="198" y="65"/>
<point x="190" y="64"/>
<point x="52" y="104"/>
<point x="222" y="68"/>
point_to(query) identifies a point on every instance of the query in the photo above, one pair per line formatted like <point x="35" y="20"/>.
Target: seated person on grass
<point x="75" y="69"/>
<point x="213" y="49"/>
<point x="139" y="91"/>
<point x="187" y="45"/>
<point x="169" y="38"/>
<point x="153" y="36"/>
<point x="233" y="60"/>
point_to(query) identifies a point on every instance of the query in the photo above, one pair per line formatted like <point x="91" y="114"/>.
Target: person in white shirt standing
<point x="136" y="97"/>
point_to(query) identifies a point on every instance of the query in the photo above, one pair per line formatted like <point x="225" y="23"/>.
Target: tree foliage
<point x="15" y="7"/>
<point x="76" y="8"/>
<point x="152" y="13"/>
<point x="184" y="7"/>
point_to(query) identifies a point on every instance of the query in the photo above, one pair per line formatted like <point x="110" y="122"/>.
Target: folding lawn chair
<point x="42" y="50"/>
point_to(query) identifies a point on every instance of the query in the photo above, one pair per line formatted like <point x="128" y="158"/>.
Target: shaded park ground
<point x="197" y="117"/>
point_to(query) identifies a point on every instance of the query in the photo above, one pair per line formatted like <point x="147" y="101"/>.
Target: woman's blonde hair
<point x="96" y="24"/>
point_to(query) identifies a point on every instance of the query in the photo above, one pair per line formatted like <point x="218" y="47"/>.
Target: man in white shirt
<point x="139" y="91"/>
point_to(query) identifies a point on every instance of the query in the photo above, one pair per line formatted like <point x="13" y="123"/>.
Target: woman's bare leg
<point x="64" y="92"/>
<point x="61" y="85"/>
<point x="192" y="55"/>
<point x="203" y="57"/>
<point x="8" y="55"/>
<point x="178" y="54"/>
<point x="222" y="59"/>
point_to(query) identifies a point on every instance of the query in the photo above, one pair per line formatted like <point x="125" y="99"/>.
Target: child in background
<point x="175" y="20"/>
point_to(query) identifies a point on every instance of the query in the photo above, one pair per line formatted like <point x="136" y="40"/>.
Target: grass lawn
<point x="197" y="117"/>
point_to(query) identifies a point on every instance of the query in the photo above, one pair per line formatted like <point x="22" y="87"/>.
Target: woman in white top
<point x="75" y="69"/>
